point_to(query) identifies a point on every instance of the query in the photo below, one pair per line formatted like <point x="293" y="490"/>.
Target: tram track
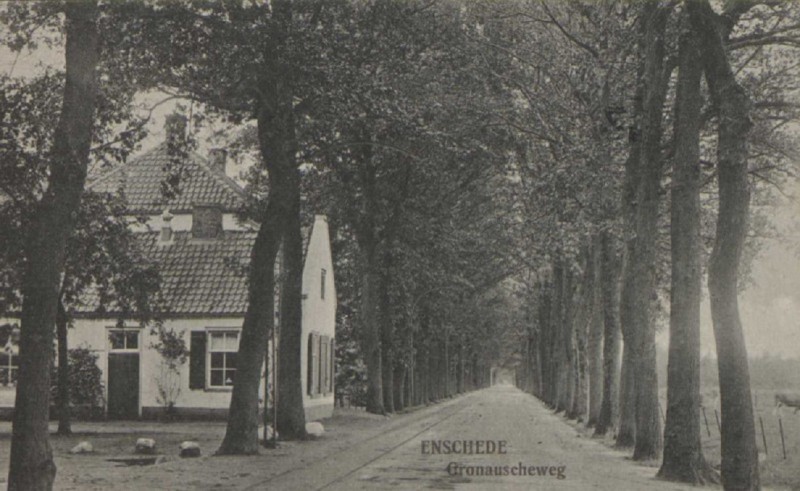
<point x="338" y="460"/>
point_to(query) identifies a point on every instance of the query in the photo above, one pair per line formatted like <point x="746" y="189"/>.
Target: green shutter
<point x="332" y="365"/>
<point x="197" y="360"/>
<point x="310" y="365"/>
<point x="323" y="365"/>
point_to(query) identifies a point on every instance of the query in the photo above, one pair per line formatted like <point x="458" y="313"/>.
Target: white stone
<point x="82" y="447"/>
<point x="190" y="449"/>
<point x="269" y="432"/>
<point x="315" y="429"/>
<point x="145" y="446"/>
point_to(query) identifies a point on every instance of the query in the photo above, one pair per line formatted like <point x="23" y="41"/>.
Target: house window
<point x="9" y="358"/>
<point x="123" y="339"/>
<point x="222" y="350"/>
<point x="9" y="365"/>
<point x="322" y="284"/>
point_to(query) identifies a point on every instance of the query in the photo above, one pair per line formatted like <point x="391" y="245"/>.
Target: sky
<point x="770" y="307"/>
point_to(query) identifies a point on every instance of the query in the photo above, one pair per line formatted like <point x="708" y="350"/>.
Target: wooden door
<point x="123" y="385"/>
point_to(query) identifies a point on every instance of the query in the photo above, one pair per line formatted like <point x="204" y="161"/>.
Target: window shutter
<point x="313" y="364"/>
<point x="315" y="348"/>
<point x="310" y="365"/>
<point x="323" y="365"/>
<point x="197" y="360"/>
<point x="332" y="354"/>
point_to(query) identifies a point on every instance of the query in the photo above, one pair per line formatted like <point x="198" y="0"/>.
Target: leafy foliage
<point x="86" y="378"/>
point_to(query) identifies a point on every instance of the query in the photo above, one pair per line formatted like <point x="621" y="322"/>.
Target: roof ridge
<point x="145" y="170"/>
<point x="219" y="176"/>
<point x="116" y="170"/>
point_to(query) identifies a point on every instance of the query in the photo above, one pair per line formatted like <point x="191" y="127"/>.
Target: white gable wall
<point x="319" y="314"/>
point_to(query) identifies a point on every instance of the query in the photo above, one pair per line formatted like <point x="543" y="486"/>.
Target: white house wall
<point x="93" y="334"/>
<point x="318" y="314"/>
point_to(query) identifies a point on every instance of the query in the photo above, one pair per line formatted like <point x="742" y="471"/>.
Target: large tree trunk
<point x="639" y="285"/>
<point x="739" y="452"/>
<point x="64" y="417"/>
<point x="626" y="432"/>
<point x="595" y="342"/>
<point x="241" y="433"/>
<point x="609" y="409"/>
<point x="580" y="323"/>
<point x="370" y="330"/>
<point x="387" y="332"/>
<point x="291" y="421"/>
<point x="31" y="461"/>
<point x="561" y="341"/>
<point x="279" y="223"/>
<point x="683" y="453"/>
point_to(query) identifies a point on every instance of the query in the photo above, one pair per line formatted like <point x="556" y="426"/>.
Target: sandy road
<point x="535" y="440"/>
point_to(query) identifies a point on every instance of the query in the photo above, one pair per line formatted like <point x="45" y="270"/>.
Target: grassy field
<point x="775" y="470"/>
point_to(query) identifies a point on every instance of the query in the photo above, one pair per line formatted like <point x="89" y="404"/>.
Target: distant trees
<point x="613" y="88"/>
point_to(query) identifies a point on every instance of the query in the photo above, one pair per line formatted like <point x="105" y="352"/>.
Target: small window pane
<point x="230" y="360"/>
<point x="117" y="340"/>
<point x="132" y="340"/>
<point x="217" y="341"/>
<point x="217" y="360"/>
<point x="232" y="341"/>
<point x="230" y="375"/>
<point x="217" y="377"/>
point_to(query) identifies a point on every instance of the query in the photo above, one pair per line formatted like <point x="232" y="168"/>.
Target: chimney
<point x="217" y="159"/>
<point x="206" y="221"/>
<point x="166" y="227"/>
<point x="175" y="127"/>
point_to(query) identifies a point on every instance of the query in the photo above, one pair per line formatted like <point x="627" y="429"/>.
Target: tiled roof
<point x="199" y="276"/>
<point x="141" y="179"/>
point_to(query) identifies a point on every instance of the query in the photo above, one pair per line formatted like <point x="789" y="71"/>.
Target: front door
<point x="123" y="375"/>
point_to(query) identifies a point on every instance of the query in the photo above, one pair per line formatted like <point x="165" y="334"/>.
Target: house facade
<point x="202" y="251"/>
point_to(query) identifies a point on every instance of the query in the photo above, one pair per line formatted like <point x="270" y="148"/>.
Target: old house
<point x="201" y="248"/>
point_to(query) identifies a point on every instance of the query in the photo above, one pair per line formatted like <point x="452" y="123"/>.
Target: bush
<point x="85" y="378"/>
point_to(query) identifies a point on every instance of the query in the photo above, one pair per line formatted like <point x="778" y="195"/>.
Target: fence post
<point x="706" y="420"/>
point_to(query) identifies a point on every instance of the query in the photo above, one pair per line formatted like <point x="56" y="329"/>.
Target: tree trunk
<point x="595" y="342"/>
<point x="279" y="223"/>
<point x="609" y="408"/>
<point x="546" y="342"/>
<point x="739" y="452"/>
<point x="560" y="341"/>
<point x="398" y="386"/>
<point x="370" y="329"/>
<point x="387" y="332"/>
<point x="639" y="286"/>
<point x="64" y="417"/>
<point x="31" y="462"/>
<point x="241" y="433"/>
<point x="626" y="433"/>
<point x="291" y="423"/>
<point x="580" y="323"/>
<point x="683" y="453"/>
<point x="460" y="376"/>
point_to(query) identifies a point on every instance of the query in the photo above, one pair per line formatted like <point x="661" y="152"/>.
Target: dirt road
<point x="499" y="438"/>
<point x="516" y="443"/>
